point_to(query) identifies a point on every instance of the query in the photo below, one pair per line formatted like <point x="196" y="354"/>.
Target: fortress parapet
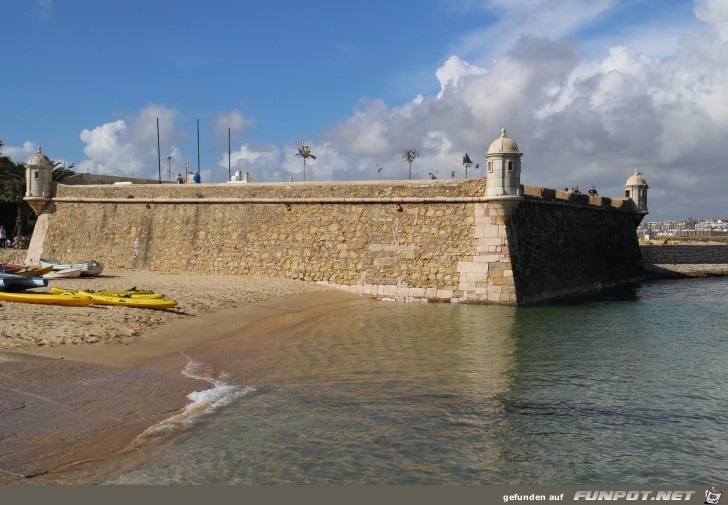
<point x="483" y="240"/>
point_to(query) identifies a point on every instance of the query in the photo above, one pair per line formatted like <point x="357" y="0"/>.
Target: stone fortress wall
<point x="484" y="240"/>
<point x="684" y="254"/>
<point x="405" y="240"/>
<point x="566" y="245"/>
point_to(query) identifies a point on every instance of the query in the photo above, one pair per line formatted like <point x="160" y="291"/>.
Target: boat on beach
<point x="11" y="268"/>
<point x="65" y="273"/>
<point x="46" y="298"/>
<point x="90" y="268"/>
<point x="17" y="282"/>
<point x="122" y="293"/>
<point x="34" y="271"/>
<point x="17" y="268"/>
<point x="142" y="303"/>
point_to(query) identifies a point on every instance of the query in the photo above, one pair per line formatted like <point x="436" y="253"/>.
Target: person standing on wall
<point x="196" y="177"/>
<point x="3" y="236"/>
<point x="180" y="179"/>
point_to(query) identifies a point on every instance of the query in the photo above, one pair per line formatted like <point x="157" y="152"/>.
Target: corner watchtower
<point x="503" y="165"/>
<point x="38" y="177"/>
<point x="636" y="189"/>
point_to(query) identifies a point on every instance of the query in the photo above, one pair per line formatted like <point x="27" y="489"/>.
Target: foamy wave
<point x="201" y="402"/>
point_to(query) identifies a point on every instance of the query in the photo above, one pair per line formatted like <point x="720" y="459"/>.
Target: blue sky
<point x="590" y="91"/>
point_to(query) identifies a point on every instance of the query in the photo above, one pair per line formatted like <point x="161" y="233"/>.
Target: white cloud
<point x="261" y="160"/>
<point x="714" y="13"/>
<point x="453" y="71"/>
<point x="579" y="120"/>
<point x="23" y="153"/>
<point x="20" y="154"/>
<point x="233" y="120"/>
<point x="534" y="18"/>
<point x="129" y="148"/>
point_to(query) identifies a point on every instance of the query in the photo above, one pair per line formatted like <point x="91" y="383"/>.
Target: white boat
<point x="64" y="273"/>
<point x="90" y="268"/>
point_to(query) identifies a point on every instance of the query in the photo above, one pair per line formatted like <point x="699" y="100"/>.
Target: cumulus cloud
<point x="233" y="120"/>
<point x="533" y="18"/>
<point x="20" y="154"/>
<point x="261" y="159"/>
<point x="453" y="71"/>
<point x="580" y="121"/>
<point x="23" y="153"/>
<point x="238" y="125"/>
<point x="128" y="147"/>
<point x="580" y="117"/>
<point x="714" y="13"/>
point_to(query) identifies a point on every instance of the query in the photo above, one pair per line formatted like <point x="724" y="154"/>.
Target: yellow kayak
<point x="47" y="298"/>
<point x="144" y="303"/>
<point x="119" y="294"/>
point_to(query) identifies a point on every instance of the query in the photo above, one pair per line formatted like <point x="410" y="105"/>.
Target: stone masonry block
<point x="417" y="292"/>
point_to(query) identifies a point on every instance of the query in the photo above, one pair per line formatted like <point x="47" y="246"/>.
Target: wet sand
<point x="79" y="384"/>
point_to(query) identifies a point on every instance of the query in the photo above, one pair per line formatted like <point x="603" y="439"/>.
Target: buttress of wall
<point x="406" y="251"/>
<point x="560" y="250"/>
<point x="487" y="276"/>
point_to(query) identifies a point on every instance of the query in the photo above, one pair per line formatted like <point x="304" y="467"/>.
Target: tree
<point x="3" y="159"/>
<point x="12" y="189"/>
<point x="60" y="172"/>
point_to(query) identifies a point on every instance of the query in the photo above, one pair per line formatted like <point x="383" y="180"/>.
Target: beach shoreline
<point x="77" y="388"/>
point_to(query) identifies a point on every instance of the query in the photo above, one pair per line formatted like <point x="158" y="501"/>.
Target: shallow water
<point x="628" y="388"/>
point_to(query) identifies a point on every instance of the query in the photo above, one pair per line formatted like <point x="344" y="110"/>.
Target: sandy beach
<point x="79" y="384"/>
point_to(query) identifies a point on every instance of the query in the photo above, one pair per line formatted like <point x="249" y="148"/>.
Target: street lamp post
<point x="304" y="151"/>
<point x="467" y="163"/>
<point x="410" y="154"/>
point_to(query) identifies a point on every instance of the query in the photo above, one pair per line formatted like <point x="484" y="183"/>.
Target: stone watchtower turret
<point x="38" y="177"/>
<point x="503" y="162"/>
<point x="636" y="189"/>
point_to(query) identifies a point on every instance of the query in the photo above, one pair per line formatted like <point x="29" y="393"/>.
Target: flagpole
<point x="159" y="154"/>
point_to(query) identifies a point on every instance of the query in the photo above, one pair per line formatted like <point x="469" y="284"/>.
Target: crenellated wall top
<point x="432" y="191"/>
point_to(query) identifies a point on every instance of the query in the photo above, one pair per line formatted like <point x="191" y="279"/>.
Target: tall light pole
<point x="198" y="146"/>
<point x="304" y="151"/>
<point x="410" y="154"/>
<point x="159" y="154"/>
<point x="169" y="168"/>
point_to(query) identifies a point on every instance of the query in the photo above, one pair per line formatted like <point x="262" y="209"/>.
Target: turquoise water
<point x="628" y="388"/>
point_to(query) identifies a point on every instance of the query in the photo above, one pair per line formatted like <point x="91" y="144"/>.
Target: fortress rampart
<point x="685" y="254"/>
<point x="404" y="240"/>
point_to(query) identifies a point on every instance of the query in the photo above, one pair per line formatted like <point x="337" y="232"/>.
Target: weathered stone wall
<point x="385" y="239"/>
<point x="12" y="255"/>
<point x="567" y="245"/>
<point x="684" y="254"/>
<point x="407" y="240"/>
<point x="561" y="251"/>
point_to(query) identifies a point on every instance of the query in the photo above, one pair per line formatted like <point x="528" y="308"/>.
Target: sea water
<point x="631" y="387"/>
